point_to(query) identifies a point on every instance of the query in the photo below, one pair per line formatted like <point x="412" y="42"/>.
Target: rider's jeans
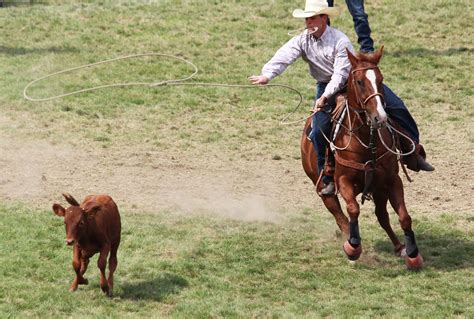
<point x="397" y="111"/>
<point x="321" y="123"/>
<point x="321" y="126"/>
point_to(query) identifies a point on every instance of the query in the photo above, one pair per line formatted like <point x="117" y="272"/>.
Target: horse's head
<point x="365" y="86"/>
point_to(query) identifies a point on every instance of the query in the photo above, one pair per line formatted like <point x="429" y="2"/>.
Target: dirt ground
<point x="37" y="172"/>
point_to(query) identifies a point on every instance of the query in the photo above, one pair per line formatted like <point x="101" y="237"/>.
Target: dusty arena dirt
<point x="140" y="180"/>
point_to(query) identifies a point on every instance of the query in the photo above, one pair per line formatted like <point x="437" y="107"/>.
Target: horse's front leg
<point x="353" y="246"/>
<point x="413" y="258"/>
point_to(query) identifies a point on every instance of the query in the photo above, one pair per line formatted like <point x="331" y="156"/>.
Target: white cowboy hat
<point x="316" y="7"/>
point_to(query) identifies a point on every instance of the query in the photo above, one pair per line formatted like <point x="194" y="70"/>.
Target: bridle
<point x="361" y="102"/>
<point x="369" y="166"/>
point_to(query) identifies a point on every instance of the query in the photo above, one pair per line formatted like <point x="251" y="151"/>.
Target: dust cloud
<point x="249" y="208"/>
<point x="37" y="172"/>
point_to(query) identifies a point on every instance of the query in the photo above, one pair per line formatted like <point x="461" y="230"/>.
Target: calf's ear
<point x="59" y="210"/>
<point x="71" y="200"/>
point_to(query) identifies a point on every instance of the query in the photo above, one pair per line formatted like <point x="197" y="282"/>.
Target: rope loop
<point x="181" y="81"/>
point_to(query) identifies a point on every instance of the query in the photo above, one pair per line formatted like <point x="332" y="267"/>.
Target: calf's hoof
<point x="72" y="288"/>
<point x="83" y="281"/>
<point x="414" y="263"/>
<point x="353" y="253"/>
<point x="105" y="289"/>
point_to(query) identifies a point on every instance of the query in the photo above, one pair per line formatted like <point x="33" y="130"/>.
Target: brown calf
<point x="92" y="227"/>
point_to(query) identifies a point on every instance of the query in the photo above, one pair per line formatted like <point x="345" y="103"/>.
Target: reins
<point x="369" y="166"/>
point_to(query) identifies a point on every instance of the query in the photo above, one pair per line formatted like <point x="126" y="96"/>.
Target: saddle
<point x="335" y="114"/>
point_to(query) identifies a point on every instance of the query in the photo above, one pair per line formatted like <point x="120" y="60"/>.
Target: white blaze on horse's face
<point x="381" y="117"/>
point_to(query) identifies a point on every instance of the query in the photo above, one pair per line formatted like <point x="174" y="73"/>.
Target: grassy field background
<point x="184" y="163"/>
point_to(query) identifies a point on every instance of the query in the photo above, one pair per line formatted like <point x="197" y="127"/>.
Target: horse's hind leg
<point x="334" y="206"/>
<point x="380" y="201"/>
<point x="413" y="258"/>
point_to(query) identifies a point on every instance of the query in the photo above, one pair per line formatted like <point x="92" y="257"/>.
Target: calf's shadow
<point x="156" y="289"/>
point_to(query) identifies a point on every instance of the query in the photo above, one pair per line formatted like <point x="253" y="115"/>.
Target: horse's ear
<point x="352" y="57"/>
<point x="378" y="54"/>
<point x="71" y="200"/>
<point x="381" y="50"/>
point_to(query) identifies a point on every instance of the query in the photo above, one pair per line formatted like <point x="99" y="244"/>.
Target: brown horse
<point x="366" y="161"/>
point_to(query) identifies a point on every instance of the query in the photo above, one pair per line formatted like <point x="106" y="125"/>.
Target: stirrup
<point x="328" y="189"/>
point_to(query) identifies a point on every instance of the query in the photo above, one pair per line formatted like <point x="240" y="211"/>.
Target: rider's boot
<point x="421" y="162"/>
<point x="416" y="161"/>
<point x="329" y="188"/>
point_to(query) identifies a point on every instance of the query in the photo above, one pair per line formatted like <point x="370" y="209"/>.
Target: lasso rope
<point x="351" y="133"/>
<point x="181" y="81"/>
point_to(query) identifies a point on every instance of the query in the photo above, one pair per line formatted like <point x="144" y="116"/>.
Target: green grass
<point x="228" y="42"/>
<point x="199" y="266"/>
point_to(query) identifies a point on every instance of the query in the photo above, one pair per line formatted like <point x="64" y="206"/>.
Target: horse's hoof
<point x="400" y="251"/>
<point x="353" y="253"/>
<point x="414" y="263"/>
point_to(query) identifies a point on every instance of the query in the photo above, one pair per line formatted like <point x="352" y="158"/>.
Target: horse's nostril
<point x="69" y="242"/>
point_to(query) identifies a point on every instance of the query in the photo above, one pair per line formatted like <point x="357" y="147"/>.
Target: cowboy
<point x="324" y="49"/>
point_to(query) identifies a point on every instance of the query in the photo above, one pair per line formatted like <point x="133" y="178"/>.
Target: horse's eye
<point x="360" y="83"/>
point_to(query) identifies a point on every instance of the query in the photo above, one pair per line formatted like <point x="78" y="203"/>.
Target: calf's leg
<point x="76" y="264"/>
<point x="102" y="263"/>
<point x="113" y="262"/>
<point x="84" y="264"/>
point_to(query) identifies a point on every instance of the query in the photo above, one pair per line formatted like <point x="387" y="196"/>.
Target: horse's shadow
<point x="446" y="251"/>
<point x="22" y="3"/>
<point x="23" y="51"/>
<point x="426" y="52"/>
<point x="156" y="289"/>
